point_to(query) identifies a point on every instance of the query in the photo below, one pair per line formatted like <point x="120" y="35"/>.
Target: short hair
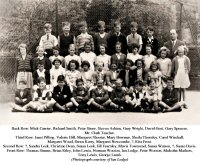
<point x="154" y="63"/>
<point x="79" y="80"/>
<point x="56" y="59"/>
<point x="134" y="45"/>
<point x="149" y="45"/>
<point x="104" y="45"/>
<point x="101" y="24"/>
<point x="115" y="63"/>
<point x="75" y="62"/>
<point x="130" y="61"/>
<point x="118" y="43"/>
<point x="150" y="28"/>
<point x="22" y="45"/>
<point x="22" y="81"/>
<point x="47" y="26"/>
<point x="116" y="23"/>
<point x="163" y="49"/>
<point x="173" y="30"/>
<point x="150" y="81"/>
<point x="41" y="63"/>
<point x="170" y="79"/>
<point x="134" y="24"/>
<point x="119" y="80"/>
<point x="82" y="24"/>
<point x="66" y="24"/>
<point x="61" y="78"/>
<point x="85" y="63"/>
<point x="41" y="79"/>
<point x="139" y="82"/>
<point x="71" y="45"/>
<point x="88" y="43"/>
<point x="55" y="48"/>
<point x="39" y="47"/>
<point x="99" y="62"/>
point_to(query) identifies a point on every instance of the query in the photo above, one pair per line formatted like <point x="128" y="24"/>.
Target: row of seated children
<point x="82" y="100"/>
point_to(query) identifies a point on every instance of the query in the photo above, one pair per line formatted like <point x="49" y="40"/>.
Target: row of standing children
<point x="41" y="66"/>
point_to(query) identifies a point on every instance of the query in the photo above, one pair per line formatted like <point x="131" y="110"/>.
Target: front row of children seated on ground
<point x="140" y="98"/>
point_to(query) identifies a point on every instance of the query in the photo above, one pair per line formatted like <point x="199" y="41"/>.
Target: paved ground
<point x="187" y="116"/>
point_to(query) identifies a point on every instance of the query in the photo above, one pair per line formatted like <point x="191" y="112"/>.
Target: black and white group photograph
<point x="99" y="62"/>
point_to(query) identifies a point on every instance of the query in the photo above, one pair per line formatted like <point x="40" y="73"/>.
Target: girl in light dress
<point x="72" y="56"/>
<point x="155" y="74"/>
<point x="55" y="71"/>
<point x="164" y="64"/>
<point x="148" y="58"/>
<point x="86" y="75"/>
<point x="180" y="70"/>
<point x="72" y="74"/>
<point x="88" y="55"/>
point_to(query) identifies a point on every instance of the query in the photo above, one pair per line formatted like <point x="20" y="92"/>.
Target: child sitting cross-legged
<point x="99" y="97"/>
<point x="80" y="97"/>
<point x="22" y="96"/>
<point x="62" y="95"/>
<point x="134" y="101"/>
<point x="152" y="98"/>
<point x="117" y="98"/>
<point x="170" y="98"/>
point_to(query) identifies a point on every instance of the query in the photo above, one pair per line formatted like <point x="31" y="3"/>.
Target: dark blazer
<point x="45" y="61"/>
<point x="122" y="75"/>
<point x="58" y="95"/>
<point x="113" y="38"/>
<point x="120" y="62"/>
<point x="104" y="95"/>
<point x="172" y="49"/>
<point x="26" y="95"/>
<point x="169" y="97"/>
<point x="35" y="77"/>
<point x="144" y="75"/>
<point x="154" y="43"/>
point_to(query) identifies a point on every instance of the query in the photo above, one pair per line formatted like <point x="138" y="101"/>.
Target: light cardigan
<point x="175" y="64"/>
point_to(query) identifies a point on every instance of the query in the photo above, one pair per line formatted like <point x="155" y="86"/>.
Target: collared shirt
<point x="48" y="41"/>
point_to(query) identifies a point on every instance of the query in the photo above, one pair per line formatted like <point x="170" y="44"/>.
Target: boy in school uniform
<point x="65" y="39"/>
<point x="150" y="40"/>
<point x="118" y="58"/>
<point x="62" y="95"/>
<point x="127" y="76"/>
<point x="99" y="97"/>
<point x="80" y="97"/>
<point x="115" y="37"/>
<point x="134" y="37"/>
<point x="99" y="74"/>
<point x="82" y="38"/>
<point x="22" y="96"/>
<point x="100" y="38"/>
<point x="48" y="41"/>
<point x="150" y="103"/>
<point x="117" y="98"/>
<point x="135" y="100"/>
<point x="169" y="100"/>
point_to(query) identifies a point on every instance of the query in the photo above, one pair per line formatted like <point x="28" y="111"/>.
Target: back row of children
<point x="91" y="68"/>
